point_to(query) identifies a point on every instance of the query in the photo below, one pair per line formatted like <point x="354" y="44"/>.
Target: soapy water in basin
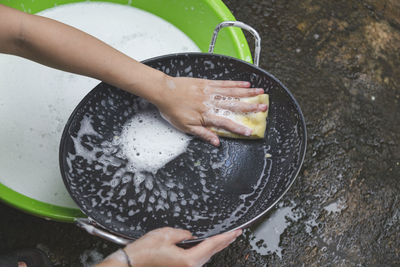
<point x="36" y="101"/>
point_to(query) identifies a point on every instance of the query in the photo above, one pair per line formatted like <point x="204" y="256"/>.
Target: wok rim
<point x="303" y="148"/>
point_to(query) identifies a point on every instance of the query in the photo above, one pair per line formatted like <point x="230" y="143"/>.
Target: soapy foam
<point x="149" y="142"/>
<point x="213" y="108"/>
<point x="29" y="146"/>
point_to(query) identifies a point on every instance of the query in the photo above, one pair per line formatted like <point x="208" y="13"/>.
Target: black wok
<point x="204" y="190"/>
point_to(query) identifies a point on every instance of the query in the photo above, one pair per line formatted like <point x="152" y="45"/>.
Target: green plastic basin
<point x="196" y="18"/>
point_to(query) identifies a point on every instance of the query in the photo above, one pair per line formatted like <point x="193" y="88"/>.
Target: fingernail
<point x="248" y="132"/>
<point x="262" y="106"/>
<point x="215" y="141"/>
<point x="238" y="232"/>
<point x="246" y="83"/>
<point x="259" y="91"/>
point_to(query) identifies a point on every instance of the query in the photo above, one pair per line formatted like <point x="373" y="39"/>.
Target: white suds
<point x="149" y="142"/>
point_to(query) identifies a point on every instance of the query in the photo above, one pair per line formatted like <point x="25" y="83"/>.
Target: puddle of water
<point x="335" y="207"/>
<point x="266" y="236"/>
<point x="311" y="222"/>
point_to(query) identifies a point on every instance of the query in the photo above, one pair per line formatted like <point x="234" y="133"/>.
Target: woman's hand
<point x="190" y="105"/>
<point x="158" y="249"/>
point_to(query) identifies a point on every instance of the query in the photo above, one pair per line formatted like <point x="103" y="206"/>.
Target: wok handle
<point x="243" y="26"/>
<point x="87" y="225"/>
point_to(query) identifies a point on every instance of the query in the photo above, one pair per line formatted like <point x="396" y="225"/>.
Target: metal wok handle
<point x="90" y="226"/>
<point x="244" y="26"/>
<point x="87" y="225"/>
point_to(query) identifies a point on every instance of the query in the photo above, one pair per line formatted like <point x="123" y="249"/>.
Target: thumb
<point x="206" y="249"/>
<point x="178" y="235"/>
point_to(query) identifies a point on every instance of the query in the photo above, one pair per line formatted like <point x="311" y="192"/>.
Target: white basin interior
<point x="36" y="101"/>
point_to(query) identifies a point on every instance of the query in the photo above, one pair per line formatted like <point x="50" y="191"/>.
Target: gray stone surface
<point x="341" y="61"/>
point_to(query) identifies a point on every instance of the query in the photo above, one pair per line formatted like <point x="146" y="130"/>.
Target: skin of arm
<point x="187" y="103"/>
<point x="60" y="46"/>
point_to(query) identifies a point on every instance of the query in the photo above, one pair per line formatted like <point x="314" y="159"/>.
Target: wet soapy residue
<point x="266" y="236"/>
<point x="197" y="187"/>
<point x="223" y="112"/>
<point x="148" y="172"/>
<point x="228" y="107"/>
<point x="215" y="110"/>
<point x="29" y="147"/>
<point x="149" y="142"/>
<point x="335" y="207"/>
<point x="205" y="189"/>
<point x="246" y="201"/>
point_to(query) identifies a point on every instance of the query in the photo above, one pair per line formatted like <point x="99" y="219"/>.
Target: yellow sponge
<point x="257" y="121"/>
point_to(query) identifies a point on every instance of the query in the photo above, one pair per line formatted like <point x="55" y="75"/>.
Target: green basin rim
<point x="39" y="208"/>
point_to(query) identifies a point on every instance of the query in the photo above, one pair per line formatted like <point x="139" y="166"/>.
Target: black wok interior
<point x="204" y="190"/>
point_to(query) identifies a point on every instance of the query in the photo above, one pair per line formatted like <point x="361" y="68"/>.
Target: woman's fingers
<point x="235" y="91"/>
<point x="169" y="235"/>
<point x="237" y="106"/>
<point x="242" y="84"/>
<point x="192" y="107"/>
<point x="178" y="235"/>
<point x="227" y="124"/>
<point x="205" y="134"/>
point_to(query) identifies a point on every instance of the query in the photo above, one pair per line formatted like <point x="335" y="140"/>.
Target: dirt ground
<point x="340" y="59"/>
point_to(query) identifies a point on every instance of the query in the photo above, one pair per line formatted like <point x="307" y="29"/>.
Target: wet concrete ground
<point x="341" y="61"/>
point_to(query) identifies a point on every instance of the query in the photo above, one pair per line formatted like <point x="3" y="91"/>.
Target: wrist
<point x="118" y="259"/>
<point x="149" y="84"/>
<point x="127" y="258"/>
<point x="158" y="88"/>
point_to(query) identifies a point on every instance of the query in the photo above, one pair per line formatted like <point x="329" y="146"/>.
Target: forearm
<point x="63" y="47"/>
<point x="189" y="107"/>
